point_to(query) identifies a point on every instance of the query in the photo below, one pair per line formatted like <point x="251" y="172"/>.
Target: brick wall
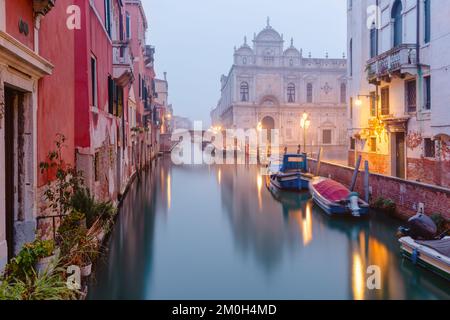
<point x="406" y="194"/>
<point x="429" y="171"/>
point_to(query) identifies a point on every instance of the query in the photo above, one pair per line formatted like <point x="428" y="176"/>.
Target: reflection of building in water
<point x="131" y="252"/>
<point x="272" y="86"/>
<point x="258" y="226"/>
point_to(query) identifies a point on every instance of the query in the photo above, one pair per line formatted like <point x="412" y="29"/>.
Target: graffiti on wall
<point x="414" y="140"/>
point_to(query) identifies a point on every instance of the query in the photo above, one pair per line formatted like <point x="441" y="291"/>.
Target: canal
<point x="217" y="232"/>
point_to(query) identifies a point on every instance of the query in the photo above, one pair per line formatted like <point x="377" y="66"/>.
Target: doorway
<point x="268" y="124"/>
<point x="11" y="97"/>
<point x="400" y="155"/>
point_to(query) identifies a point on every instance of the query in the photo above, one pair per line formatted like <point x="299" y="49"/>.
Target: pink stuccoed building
<point x="78" y="68"/>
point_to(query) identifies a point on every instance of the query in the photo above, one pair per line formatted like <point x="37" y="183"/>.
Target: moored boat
<point x="337" y="200"/>
<point x="421" y="243"/>
<point x="431" y="254"/>
<point x="290" y="173"/>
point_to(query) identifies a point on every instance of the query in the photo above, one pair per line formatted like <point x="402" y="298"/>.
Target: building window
<point x="140" y="86"/>
<point x="385" y="101"/>
<point x="108" y="16"/>
<point x="352" y="144"/>
<point x="111" y="95"/>
<point x="427" y="93"/>
<point x="427" y="14"/>
<point x="128" y="25"/>
<point x="429" y="148"/>
<point x="289" y="133"/>
<point x="94" y="87"/>
<point x="97" y="166"/>
<point x="326" y="136"/>
<point x="351" y="108"/>
<point x="373" y="41"/>
<point x="269" y="60"/>
<point x="373" y="104"/>
<point x="309" y="93"/>
<point x="343" y="93"/>
<point x="373" y="144"/>
<point x="411" y="95"/>
<point x="350" y="57"/>
<point x="291" y="92"/>
<point x="244" y="92"/>
<point x="398" y="22"/>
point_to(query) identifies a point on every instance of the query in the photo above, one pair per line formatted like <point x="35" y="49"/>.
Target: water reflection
<point x="229" y="237"/>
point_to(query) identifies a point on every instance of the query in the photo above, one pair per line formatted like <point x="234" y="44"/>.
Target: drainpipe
<point x="418" y="63"/>
<point x="419" y="76"/>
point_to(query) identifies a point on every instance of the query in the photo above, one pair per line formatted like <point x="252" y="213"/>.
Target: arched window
<point x="244" y="92"/>
<point x="398" y="22"/>
<point x="343" y="93"/>
<point x="309" y="93"/>
<point x="291" y="93"/>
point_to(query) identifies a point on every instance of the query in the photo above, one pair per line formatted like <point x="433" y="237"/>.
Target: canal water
<point x="217" y="232"/>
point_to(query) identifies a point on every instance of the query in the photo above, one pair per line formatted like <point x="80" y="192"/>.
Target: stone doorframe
<point x="20" y="70"/>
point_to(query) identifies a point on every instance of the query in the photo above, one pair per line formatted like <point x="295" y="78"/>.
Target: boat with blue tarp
<point x="290" y="172"/>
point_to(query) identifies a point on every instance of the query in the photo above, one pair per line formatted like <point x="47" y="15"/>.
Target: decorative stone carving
<point x="42" y="7"/>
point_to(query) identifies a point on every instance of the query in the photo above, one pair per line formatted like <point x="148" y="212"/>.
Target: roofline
<point x="141" y="8"/>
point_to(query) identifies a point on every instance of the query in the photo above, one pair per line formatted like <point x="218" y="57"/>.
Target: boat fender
<point x="353" y="205"/>
<point x="414" y="256"/>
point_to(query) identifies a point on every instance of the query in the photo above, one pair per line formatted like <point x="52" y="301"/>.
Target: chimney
<point x="165" y="76"/>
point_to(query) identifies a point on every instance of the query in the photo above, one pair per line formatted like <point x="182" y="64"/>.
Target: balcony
<point x="396" y="62"/>
<point x="149" y="54"/>
<point x="122" y="63"/>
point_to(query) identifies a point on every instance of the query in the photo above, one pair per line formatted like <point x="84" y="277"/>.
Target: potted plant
<point x="44" y="251"/>
<point x="385" y="205"/>
<point x="84" y="253"/>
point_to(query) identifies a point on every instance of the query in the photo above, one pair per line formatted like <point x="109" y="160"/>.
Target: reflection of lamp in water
<point x="307" y="226"/>
<point x="219" y="176"/>
<point x="358" y="273"/>
<point x="359" y="266"/>
<point x="259" y="184"/>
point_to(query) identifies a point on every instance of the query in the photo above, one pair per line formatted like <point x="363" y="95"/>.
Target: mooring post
<point x="355" y="174"/>
<point x="318" y="162"/>
<point x="366" y="181"/>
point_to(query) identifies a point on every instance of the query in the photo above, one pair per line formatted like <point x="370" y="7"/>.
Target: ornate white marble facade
<point x="272" y="85"/>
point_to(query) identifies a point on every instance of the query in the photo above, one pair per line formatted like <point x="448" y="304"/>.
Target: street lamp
<point x="259" y="127"/>
<point x="358" y="101"/>
<point x="305" y="123"/>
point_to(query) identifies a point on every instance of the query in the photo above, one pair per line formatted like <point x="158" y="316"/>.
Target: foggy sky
<point x="194" y="40"/>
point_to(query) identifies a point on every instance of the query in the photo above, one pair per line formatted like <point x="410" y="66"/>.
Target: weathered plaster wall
<point x="18" y="10"/>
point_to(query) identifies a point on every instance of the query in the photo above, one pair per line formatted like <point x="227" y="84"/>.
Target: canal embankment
<point x="409" y="197"/>
<point x="217" y="232"/>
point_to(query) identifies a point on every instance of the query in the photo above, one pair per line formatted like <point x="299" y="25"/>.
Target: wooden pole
<point x="318" y="162"/>
<point x="366" y="181"/>
<point x="355" y="173"/>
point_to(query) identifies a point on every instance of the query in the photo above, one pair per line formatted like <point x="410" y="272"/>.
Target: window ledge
<point x="94" y="109"/>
